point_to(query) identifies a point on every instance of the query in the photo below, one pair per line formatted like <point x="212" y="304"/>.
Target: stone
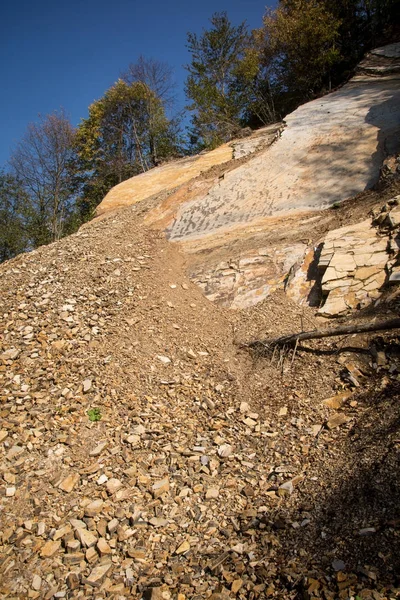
<point x="236" y="585"/>
<point x="91" y="555"/>
<point x="99" y="448"/>
<point x="338" y="565"/>
<point x="73" y="581"/>
<point x="10" y="354"/>
<point x="160" y="487"/>
<point x="94" y="508"/>
<point x="164" y="359"/>
<point x="113" y="485"/>
<point x="338" y="400"/>
<point x="112" y="526"/>
<point x="394" y="277"/>
<point x="73" y="546"/>
<point x="158" y="522"/>
<point x="225" y="450"/>
<point x="36" y="582"/>
<point x="68" y="484"/>
<point x="87" y="385"/>
<point x="14" y="451"/>
<point x="78" y="524"/>
<point x="10" y="491"/>
<point x="212" y="493"/>
<point x="3" y="435"/>
<point x="98" y="573"/>
<point x="286" y="488"/>
<point x="337" y="420"/>
<point x="50" y="549"/>
<point x="129" y="577"/>
<point x="184" y="547"/>
<point x="87" y="538"/>
<point x="103" y="547"/>
<point x="367" y="531"/>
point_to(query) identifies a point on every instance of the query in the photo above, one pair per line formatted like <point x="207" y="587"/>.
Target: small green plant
<point x="335" y="206"/>
<point x="94" y="414"/>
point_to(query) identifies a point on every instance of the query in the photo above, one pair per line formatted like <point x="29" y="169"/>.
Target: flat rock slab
<point x="332" y="149"/>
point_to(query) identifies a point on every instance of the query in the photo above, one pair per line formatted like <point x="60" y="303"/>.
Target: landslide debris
<point x="144" y="454"/>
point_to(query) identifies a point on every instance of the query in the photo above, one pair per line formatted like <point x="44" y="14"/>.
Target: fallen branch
<point x="317" y="334"/>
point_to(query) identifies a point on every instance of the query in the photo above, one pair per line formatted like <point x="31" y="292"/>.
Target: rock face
<point x="225" y="207"/>
<point x="173" y="175"/>
<point x="352" y="264"/>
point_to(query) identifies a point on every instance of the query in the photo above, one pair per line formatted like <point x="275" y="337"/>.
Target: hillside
<point x="145" y="452"/>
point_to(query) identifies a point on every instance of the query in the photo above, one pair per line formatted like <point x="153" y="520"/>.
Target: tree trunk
<point x="318" y="334"/>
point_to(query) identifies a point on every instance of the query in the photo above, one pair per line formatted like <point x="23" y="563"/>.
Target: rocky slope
<point x="145" y="453"/>
<point x="229" y="217"/>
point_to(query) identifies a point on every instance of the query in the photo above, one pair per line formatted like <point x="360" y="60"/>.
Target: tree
<point x="42" y="163"/>
<point x="13" y="230"/>
<point x="300" y="49"/>
<point x="157" y="75"/>
<point x="364" y="24"/>
<point x="254" y="85"/>
<point x="126" y="133"/>
<point x="211" y="85"/>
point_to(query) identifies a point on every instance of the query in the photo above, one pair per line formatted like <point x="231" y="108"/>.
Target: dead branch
<point x="317" y="334"/>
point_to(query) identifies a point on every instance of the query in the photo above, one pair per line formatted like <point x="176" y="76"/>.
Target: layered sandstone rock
<point x="238" y="211"/>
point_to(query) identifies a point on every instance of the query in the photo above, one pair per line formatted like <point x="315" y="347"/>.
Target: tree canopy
<point x="211" y="86"/>
<point x="300" y="47"/>
<point x="126" y="133"/>
<point x="43" y="165"/>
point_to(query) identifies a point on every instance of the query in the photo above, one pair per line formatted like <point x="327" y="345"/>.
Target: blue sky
<point x="66" y="54"/>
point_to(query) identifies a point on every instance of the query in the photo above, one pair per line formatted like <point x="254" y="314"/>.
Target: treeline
<point x="58" y="174"/>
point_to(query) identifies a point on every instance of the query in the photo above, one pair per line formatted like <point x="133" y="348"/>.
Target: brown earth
<point x="266" y="492"/>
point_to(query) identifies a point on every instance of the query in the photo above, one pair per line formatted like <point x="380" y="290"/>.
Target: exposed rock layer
<point x="226" y="206"/>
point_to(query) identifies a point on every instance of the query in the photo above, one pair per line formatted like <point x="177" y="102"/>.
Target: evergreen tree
<point x="211" y="86"/>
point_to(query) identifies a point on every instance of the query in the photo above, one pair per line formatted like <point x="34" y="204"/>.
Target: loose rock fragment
<point x="184" y="547"/>
<point x="212" y="493"/>
<point x="94" y="508"/>
<point x="68" y="484"/>
<point x="50" y="548"/>
<point x="36" y="582"/>
<point x="113" y="485"/>
<point x="98" y="573"/>
<point x="73" y="581"/>
<point x="87" y="384"/>
<point x="337" y="420"/>
<point x="236" y="585"/>
<point x="87" y="538"/>
<point x="164" y="359"/>
<point x="225" y="450"/>
<point x="160" y="487"/>
<point x="99" y="448"/>
<point x="103" y="547"/>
